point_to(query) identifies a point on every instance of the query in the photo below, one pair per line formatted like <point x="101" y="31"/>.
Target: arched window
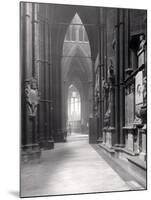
<point x="68" y="34"/>
<point x="73" y="28"/>
<point x="81" y="33"/>
<point x="74" y="105"/>
<point x="76" y="30"/>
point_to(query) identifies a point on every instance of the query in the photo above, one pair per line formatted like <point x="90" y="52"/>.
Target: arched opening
<point x="76" y="30"/>
<point x="74" y="110"/>
<point x="76" y="74"/>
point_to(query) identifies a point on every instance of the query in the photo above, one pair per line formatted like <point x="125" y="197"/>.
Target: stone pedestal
<point x="109" y="136"/>
<point x="142" y="144"/>
<point x="131" y="140"/>
<point x="58" y="136"/>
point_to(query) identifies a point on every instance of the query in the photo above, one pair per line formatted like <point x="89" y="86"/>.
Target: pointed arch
<point x="76" y="30"/>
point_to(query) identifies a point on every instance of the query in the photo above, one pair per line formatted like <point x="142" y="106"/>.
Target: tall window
<point x="67" y="37"/>
<point x="74" y="105"/>
<point x="76" y="31"/>
<point x="81" y="33"/>
<point x="73" y="33"/>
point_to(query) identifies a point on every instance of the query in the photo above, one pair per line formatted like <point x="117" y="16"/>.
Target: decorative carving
<point x="107" y="116"/>
<point x="143" y="110"/>
<point x="145" y="90"/>
<point x="143" y="114"/>
<point x="141" y="51"/>
<point x="142" y="43"/>
<point x="114" y="40"/>
<point x="108" y="88"/>
<point x="139" y="88"/>
<point x="111" y="76"/>
<point x="32" y="96"/>
<point x="137" y="121"/>
<point x="97" y="97"/>
<point x="105" y="88"/>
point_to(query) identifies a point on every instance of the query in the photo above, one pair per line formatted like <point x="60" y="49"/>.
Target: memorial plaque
<point x="139" y="88"/>
<point x="129" y="109"/>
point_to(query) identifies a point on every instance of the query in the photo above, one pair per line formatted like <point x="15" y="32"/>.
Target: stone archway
<point x="76" y="69"/>
<point x="62" y="18"/>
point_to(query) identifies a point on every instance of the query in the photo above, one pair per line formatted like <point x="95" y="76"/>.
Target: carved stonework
<point x="107" y="116"/>
<point x="108" y="86"/>
<point x="142" y="43"/>
<point x="111" y="76"/>
<point x="141" y="51"/>
<point x="105" y="88"/>
<point x="137" y="121"/>
<point x="114" y="41"/>
<point x="139" y="88"/>
<point x="32" y="96"/>
<point x="141" y="112"/>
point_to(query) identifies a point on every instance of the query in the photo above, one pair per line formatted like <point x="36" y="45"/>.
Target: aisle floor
<point x="70" y="168"/>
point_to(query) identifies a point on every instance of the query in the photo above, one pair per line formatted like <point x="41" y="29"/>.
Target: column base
<point x="30" y="152"/>
<point x="59" y="136"/>
<point x="47" y="144"/>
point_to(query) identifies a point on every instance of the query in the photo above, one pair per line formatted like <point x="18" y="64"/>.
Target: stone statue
<point x="142" y="42"/>
<point x="111" y="75"/>
<point x="111" y="79"/>
<point x="32" y="96"/>
<point x="114" y="40"/>
<point x="141" y="50"/>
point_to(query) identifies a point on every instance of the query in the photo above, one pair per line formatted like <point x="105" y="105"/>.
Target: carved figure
<point x="111" y="72"/>
<point x="114" y="40"/>
<point x="32" y="96"/>
<point x="111" y="79"/>
<point x="142" y="42"/>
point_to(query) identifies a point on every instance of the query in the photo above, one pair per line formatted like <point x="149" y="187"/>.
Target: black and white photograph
<point x="83" y="91"/>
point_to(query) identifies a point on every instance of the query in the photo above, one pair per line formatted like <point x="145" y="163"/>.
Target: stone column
<point x="42" y="77"/>
<point x="45" y="80"/>
<point x="101" y="33"/>
<point x="30" y="147"/>
<point x="57" y="99"/>
<point x="50" y="85"/>
<point x="64" y="94"/>
<point x="92" y="121"/>
<point x="121" y="75"/>
<point x="28" y="68"/>
<point x="117" y="74"/>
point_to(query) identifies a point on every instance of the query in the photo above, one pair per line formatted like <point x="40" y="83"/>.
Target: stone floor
<point x="72" y="167"/>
